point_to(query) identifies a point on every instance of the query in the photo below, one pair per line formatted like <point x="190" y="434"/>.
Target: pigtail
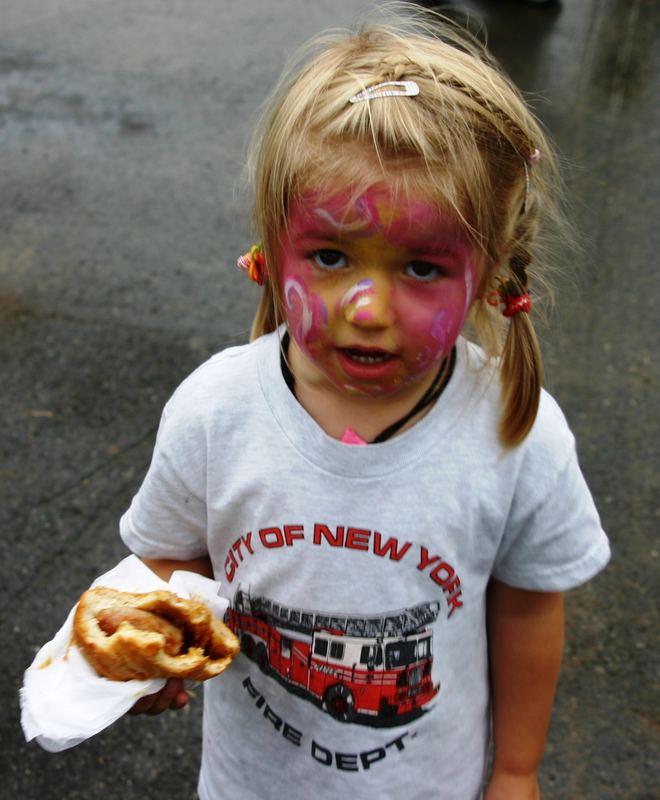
<point x="521" y="374"/>
<point x="521" y="365"/>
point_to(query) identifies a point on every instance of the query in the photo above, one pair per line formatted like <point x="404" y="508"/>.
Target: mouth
<point x="367" y="363"/>
<point x="367" y="356"/>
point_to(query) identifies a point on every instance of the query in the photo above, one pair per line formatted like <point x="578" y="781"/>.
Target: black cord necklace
<point x="429" y="397"/>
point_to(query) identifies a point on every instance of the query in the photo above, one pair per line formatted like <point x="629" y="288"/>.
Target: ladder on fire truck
<point x="393" y="623"/>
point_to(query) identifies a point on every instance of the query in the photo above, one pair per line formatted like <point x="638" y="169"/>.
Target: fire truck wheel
<point x="339" y="702"/>
<point x="262" y="657"/>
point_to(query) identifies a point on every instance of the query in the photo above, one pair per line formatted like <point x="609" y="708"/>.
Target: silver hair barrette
<point x="387" y="89"/>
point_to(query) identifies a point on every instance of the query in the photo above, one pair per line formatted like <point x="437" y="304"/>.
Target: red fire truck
<point x="373" y="670"/>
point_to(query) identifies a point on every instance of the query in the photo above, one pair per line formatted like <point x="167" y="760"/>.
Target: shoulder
<point x="550" y="442"/>
<point x="225" y="385"/>
<point x="234" y="367"/>
<point x="550" y="438"/>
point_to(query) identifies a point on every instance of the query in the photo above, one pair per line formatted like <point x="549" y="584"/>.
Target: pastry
<point x="153" y="635"/>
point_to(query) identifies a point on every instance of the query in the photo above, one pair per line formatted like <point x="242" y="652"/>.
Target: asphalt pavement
<point x="123" y="206"/>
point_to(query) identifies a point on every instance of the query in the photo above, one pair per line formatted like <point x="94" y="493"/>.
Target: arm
<point x="525" y="643"/>
<point x="173" y="694"/>
<point x="164" y="567"/>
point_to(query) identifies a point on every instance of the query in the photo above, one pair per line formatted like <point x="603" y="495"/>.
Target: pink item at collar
<point x="351" y="437"/>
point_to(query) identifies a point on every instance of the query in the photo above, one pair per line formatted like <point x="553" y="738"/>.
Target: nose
<point x="368" y="303"/>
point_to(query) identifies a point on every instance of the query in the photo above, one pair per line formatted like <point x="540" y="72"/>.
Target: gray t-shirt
<point x="356" y="576"/>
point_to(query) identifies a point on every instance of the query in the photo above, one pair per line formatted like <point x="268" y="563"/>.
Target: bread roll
<point x="153" y="635"/>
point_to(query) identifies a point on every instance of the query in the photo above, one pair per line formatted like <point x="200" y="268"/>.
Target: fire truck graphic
<point x="373" y="670"/>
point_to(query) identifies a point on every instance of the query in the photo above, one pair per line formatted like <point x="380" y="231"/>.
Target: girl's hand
<point x="505" y="786"/>
<point x="172" y="695"/>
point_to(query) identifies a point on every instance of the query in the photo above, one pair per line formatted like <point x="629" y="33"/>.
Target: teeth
<point x="369" y="358"/>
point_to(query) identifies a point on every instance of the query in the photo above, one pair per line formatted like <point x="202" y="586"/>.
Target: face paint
<point x="355" y="303"/>
<point x="376" y="290"/>
<point x="364" y="217"/>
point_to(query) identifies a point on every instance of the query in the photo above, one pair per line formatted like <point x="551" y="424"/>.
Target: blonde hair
<point x="464" y="142"/>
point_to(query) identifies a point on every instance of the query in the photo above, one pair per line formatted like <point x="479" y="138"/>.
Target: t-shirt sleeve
<point x="553" y="540"/>
<point x="167" y="517"/>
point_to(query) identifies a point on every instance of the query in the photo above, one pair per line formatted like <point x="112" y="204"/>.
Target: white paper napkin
<point x="63" y="700"/>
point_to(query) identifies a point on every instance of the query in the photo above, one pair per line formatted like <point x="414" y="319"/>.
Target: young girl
<point x="393" y="510"/>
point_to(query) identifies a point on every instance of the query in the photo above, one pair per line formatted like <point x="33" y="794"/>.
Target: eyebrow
<point x="315" y="230"/>
<point x="318" y="233"/>
<point x="454" y="248"/>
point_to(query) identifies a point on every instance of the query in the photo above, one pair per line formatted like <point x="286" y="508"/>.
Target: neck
<point x="335" y="410"/>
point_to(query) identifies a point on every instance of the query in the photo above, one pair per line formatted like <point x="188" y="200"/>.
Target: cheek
<point x="306" y="313"/>
<point x="435" y="317"/>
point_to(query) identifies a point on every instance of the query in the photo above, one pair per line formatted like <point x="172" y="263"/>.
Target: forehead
<point x="378" y="209"/>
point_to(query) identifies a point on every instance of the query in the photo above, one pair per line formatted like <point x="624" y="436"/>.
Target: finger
<point x="157" y="702"/>
<point x="163" y="699"/>
<point x="180" y="701"/>
<point x="142" y="705"/>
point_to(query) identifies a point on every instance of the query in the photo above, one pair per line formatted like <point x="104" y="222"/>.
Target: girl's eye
<point x="329" y="259"/>
<point x="424" y="271"/>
